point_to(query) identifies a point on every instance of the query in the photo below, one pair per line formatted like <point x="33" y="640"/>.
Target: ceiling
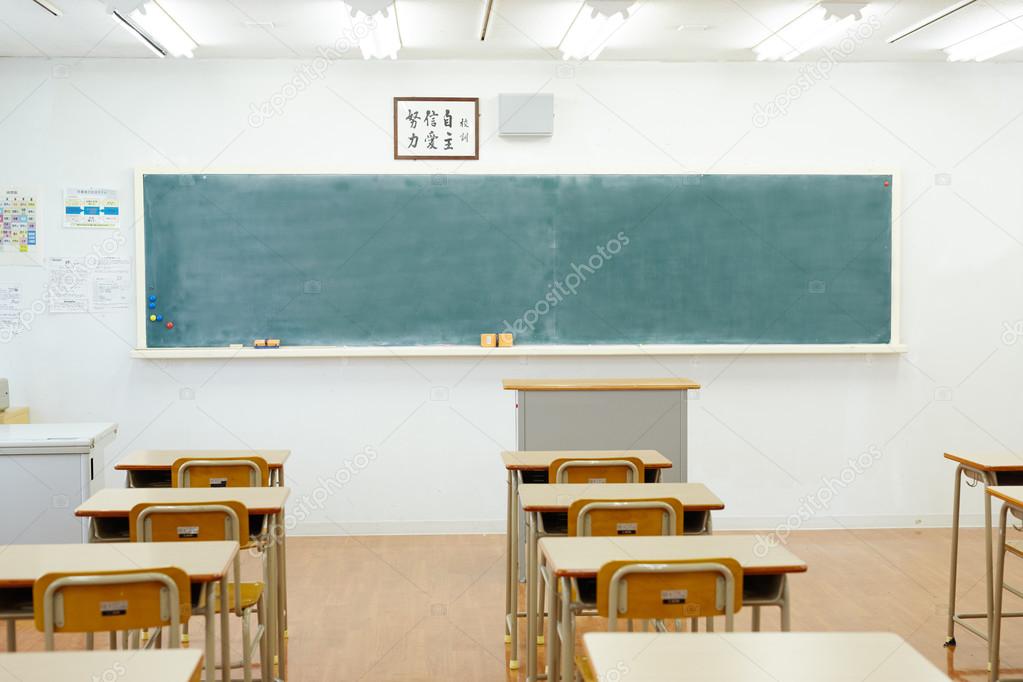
<point x="723" y="30"/>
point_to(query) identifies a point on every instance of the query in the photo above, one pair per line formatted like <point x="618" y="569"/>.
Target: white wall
<point x="764" y="432"/>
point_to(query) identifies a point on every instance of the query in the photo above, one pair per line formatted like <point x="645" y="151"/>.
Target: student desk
<point x="532" y="466"/>
<point x="570" y="560"/>
<point x="46" y="470"/>
<point x="757" y="657"/>
<point x="126" y="665"/>
<point x="578" y="414"/>
<point x="108" y="512"/>
<point x="554" y="499"/>
<point x="204" y="562"/>
<point x="152" y="468"/>
<point x="1011" y="497"/>
<point x="990" y="469"/>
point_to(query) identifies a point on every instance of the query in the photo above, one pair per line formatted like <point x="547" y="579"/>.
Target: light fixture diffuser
<point x="150" y="44"/>
<point x="815" y="27"/>
<point x="376" y="32"/>
<point x="996" y="40"/>
<point x="157" y="30"/>
<point x="924" y="23"/>
<point x="49" y="7"/>
<point x="592" y="27"/>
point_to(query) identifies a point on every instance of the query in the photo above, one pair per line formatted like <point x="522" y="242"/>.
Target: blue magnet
<point x="152" y="299"/>
<point x="159" y="318"/>
<point x="152" y="305"/>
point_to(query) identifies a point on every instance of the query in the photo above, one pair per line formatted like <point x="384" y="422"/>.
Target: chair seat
<point x="251" y="592"/>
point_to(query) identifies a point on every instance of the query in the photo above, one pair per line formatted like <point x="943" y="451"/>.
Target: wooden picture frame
<point x="430" y="152"/>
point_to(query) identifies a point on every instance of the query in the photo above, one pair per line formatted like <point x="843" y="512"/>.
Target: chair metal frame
<point x="634" y="468"/>
<point x="259" y="476"/>
<point x="618" y="602"/>
<point x="53" y="608"/>
<point x="567" y="606"/>
<point x="583" y="525"/>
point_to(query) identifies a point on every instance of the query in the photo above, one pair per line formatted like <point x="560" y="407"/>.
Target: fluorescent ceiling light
<point x="990" y="43"/>
<point x="158" y="30"/>
<point x="593" y="26"/>
<point x="376" y="31"/>
<point x="143" y="38"/>
<point x="488" y="7"/>
<point x="816" y="26"/>
<point x="49" y="7"/>
<point x="923" y="23"/>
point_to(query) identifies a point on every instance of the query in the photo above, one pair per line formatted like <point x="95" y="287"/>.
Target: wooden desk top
<point x="22" y="565"/>
<point x="159" y="460"/>
<point x="758" y="657"/>
<point x="558" y="497"/>
<point x="540" y="460"/>
<point x="644" y="384"/>
<point x="583" y="557"/>
<point x="131" y="665"/>
<point x="989" y="462"/>
<point x="117" y="502"/>
<point x="1013" y="494"/>
<point x="124" y="666"/>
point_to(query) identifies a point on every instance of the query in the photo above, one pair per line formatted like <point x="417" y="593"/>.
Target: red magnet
<point x="170" y="325"/>
<point x="885" y="183"/>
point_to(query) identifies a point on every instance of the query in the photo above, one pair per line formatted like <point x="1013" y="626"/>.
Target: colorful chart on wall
<point x="19" y="227"/>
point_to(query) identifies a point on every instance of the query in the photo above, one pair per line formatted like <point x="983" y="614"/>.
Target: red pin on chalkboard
<point x="886" y="183"/>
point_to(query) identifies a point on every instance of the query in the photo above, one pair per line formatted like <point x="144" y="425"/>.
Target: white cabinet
<point x="46" y="472"/>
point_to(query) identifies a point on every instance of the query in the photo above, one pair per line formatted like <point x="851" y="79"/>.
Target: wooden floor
<point x="429" y="608"/>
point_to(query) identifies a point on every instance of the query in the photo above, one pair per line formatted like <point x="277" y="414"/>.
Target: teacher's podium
<point x="604" y="414"/>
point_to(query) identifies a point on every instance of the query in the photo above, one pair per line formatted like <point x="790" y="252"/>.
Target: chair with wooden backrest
<point x="237" y="472"/>
<point x="108" y="601"/>
<point x="656" y="516"/>
<point x="210" y="521"/>
<point x="617" y="470"/>
<point x="663" y="590"/>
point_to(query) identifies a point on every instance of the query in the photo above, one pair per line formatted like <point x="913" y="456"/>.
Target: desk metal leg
<point x="508" y="546"/>
<point x="786" y="615"/>
<point x="540" y="605"/>
<point x="566" y="632"/>
<point x="512" y="617"/>
<point x="282" y="651"/>
<point x="953" y="570"/>
<point x="225" y="632"/>
<point x="684" y="444"/>
<point x="269" y="563"/>
<point x="12" y="636"/>
<point x="283" y="574"/>
<point x="531" y="597"/>
<point x="211" y="650"/>
<point x="988" y="560"/>
<point x="995" y="622"/>
<point x="553" y="643"/>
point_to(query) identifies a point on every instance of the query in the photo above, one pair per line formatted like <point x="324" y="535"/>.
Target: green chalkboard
<point x="558" y="259"/>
